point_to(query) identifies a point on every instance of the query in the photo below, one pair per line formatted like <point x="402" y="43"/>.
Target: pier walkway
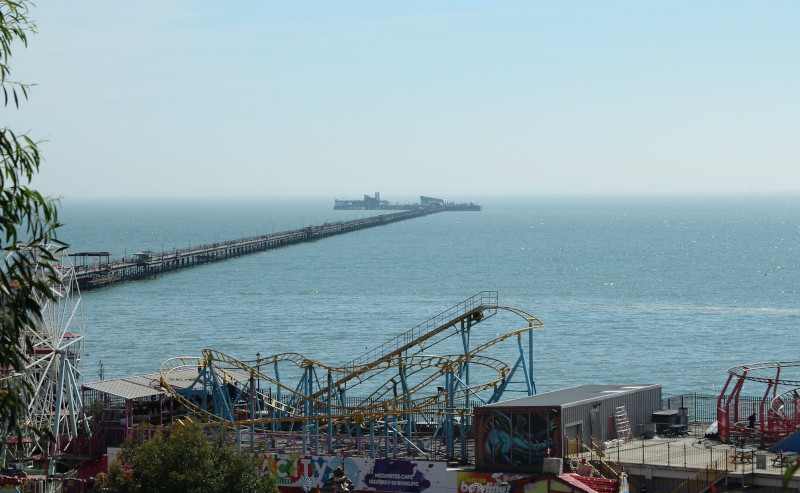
<point x="148" y="264"/>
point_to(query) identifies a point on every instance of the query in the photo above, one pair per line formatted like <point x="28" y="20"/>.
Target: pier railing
<point x="148" y="265"/>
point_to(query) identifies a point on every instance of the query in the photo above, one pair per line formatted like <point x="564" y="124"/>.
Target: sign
<point x="486" y="482"/>
<point x="365" y="474"/>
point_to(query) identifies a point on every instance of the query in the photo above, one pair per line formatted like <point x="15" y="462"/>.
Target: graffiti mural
<point x="365" y="474"/>
<point x="516" y="441"/>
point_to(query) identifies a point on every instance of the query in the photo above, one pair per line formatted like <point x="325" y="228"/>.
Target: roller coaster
<point x="397" y="398"/>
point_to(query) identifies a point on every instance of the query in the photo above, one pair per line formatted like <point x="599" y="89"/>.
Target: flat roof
<point x="141" y="386"/>
<point x="574" y="395"/>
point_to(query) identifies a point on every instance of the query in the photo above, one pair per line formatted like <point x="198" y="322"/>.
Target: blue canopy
<point x="788" y="444"/>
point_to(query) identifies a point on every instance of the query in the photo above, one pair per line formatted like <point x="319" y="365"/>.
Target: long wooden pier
<point x="147" y="265"/>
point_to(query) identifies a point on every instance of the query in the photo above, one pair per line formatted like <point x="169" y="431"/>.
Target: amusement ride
<point x="399" y="397"/>
<point x="768" y="419"/>
<point x="53" y="415"/>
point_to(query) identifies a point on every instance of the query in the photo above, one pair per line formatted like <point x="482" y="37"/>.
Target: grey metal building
<point x="519" y="433"/>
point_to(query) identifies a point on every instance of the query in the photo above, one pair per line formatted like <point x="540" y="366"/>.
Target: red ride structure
<point x="768" y="419"/>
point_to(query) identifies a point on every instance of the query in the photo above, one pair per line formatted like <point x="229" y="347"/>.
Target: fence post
<point x="712" y="456"/>
<point x="684" y="455"/>
<point x="668" y="455"/>
<point x="642" y="452"/>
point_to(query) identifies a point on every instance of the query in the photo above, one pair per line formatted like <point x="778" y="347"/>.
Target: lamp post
<point x="258" y="370"/>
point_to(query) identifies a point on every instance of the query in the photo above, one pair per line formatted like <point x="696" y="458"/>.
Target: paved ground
<point x="694" y="452"/>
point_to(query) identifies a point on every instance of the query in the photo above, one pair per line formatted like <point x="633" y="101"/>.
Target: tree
<point x="28" y="221"/>
<point x="185" y="461"/>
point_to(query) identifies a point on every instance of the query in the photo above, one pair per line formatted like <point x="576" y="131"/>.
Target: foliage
<point x="184" y="461"/>
<point x="28" y="221"/>
<point x="787" y="476"/>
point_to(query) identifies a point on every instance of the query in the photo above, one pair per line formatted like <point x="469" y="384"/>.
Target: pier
<point x="143" y="265"/>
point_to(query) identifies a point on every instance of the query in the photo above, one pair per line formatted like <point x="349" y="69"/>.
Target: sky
<point x="444" y="98"/>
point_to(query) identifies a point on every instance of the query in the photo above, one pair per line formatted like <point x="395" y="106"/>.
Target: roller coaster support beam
<point x="203" y="376"/>
<point x="449" y="429"/>
<point x="252" y="412"/>
<point x="502" y="387"/>
<point x="273" y="408"/>
<point x="329" y="434"/>
<point x="395" y="437"/>
<point x="526" y="368"/>
<point x="372" y="451"/>
<point x="401" y="370"/>
<point x="463" y="439"/>
<point x="464" y="370"/>
<point x="277" y="379"/>
<point x="311" y="426"/>
<point x="532" y="389"/>
<point x="308" y="411"/>
<point x="221" y="391"/>
<point x="407" y="440"/>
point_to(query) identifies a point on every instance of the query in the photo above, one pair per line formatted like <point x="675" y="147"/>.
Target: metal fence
<point x="703" y="407"/>
<point x="683" y="454"/>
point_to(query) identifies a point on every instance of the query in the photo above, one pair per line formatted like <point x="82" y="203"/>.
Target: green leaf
<point x="790" y="471"/>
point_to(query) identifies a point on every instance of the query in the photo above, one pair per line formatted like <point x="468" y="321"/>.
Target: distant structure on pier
<point x="375" y="203"/>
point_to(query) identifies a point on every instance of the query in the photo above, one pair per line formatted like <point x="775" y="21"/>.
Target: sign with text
<point x="386" y="475"/>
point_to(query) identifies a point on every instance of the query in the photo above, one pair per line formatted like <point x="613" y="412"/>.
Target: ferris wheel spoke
<point x="52" y="374"/>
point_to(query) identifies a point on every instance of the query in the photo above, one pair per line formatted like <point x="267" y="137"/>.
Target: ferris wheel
<point x="54" y="402"/>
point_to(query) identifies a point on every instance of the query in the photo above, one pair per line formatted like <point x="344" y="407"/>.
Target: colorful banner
<point x="485" y="482"/>
<point x="387" y="475"/>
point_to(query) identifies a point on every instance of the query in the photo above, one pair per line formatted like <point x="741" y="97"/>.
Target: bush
<point x="184" y="461"/>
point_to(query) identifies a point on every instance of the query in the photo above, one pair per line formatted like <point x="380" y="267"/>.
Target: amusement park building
<point x="545" y="423"/>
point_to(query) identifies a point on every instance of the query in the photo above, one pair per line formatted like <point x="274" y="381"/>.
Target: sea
<point x="667" y="289"/>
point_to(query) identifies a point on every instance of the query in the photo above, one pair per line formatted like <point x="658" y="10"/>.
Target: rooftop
<point x="142" y="386"/>
<point x="574" y="395"/>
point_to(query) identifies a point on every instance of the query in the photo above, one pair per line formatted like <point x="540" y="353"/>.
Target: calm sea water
<point x="671" y="290"/>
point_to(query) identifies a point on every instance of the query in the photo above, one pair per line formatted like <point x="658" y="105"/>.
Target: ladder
<point x="622" y="424"/>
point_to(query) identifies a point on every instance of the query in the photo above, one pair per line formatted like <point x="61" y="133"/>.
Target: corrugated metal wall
<point x="639" y="404"/>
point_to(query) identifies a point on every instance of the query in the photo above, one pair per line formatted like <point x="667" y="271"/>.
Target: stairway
<point x="622" y="424"/>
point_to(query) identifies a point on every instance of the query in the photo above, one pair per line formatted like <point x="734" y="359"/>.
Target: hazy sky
<point x="155" y="98"/>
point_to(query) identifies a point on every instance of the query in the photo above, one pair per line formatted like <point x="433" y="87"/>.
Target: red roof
<point x="591" y="484"/>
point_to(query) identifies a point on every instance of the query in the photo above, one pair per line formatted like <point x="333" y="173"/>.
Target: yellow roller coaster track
<point x="403" y="403"/>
